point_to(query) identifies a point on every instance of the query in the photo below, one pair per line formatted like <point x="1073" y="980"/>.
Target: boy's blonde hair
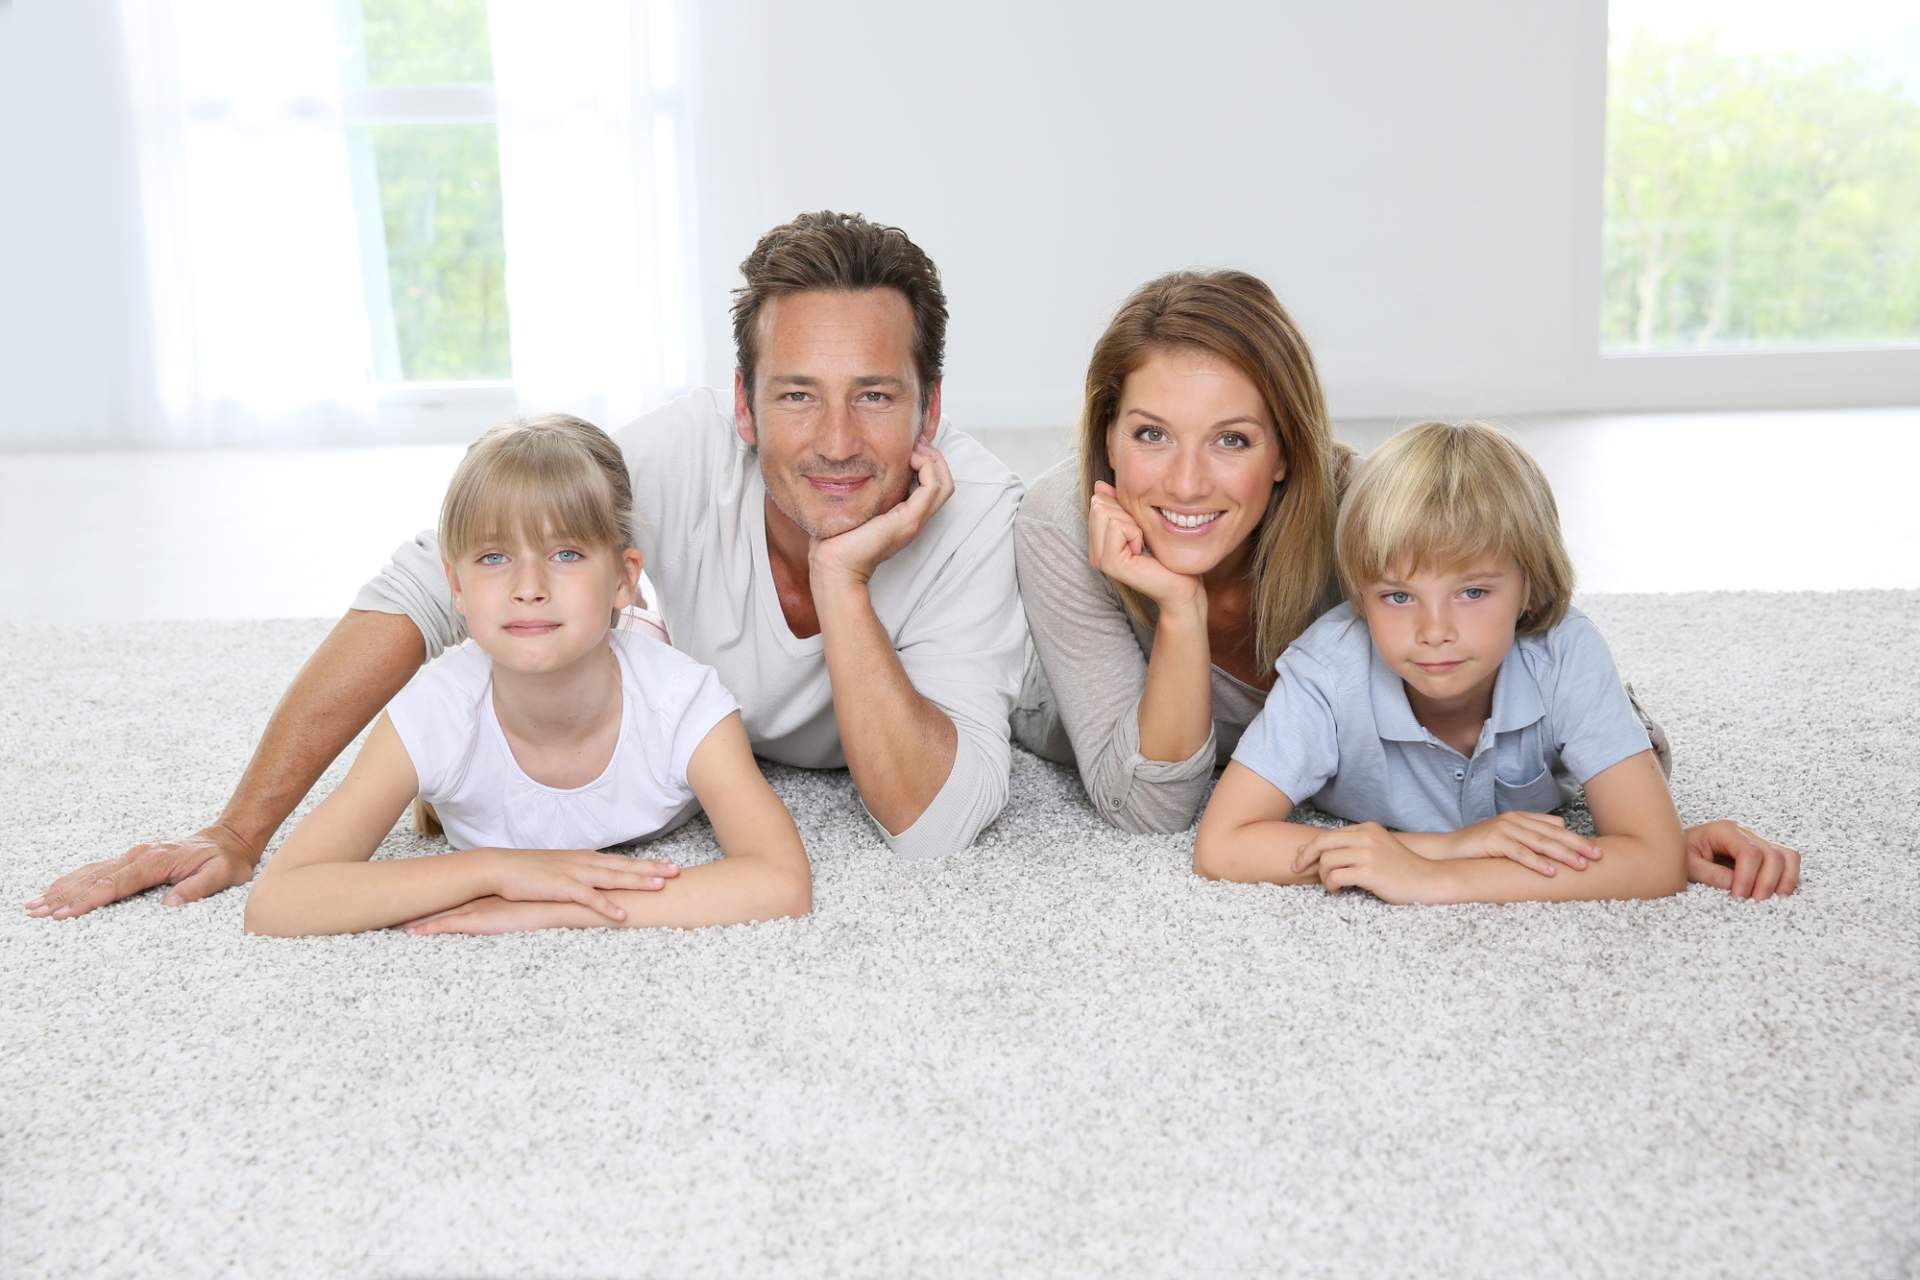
<point x="1443" y="494"/>
<point x="546" y="476"/>
<point x="552" y="474"/>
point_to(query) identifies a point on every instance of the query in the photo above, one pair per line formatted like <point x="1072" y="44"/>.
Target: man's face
<point x="837" y="410"/>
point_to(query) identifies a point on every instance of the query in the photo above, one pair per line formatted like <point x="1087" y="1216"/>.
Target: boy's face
<point x="1446" y="631"/>
<point x="541" y="608"/>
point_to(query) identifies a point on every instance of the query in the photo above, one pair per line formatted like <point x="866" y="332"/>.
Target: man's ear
<point x="453" y="581"/>
<point x="743" y="411"/>
<point x="930" y="421"/>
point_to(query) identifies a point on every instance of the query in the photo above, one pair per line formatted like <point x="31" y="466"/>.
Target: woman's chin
<point x="1185" y="558"/>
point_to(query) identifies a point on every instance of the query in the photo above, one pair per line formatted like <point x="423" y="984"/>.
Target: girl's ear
<point x="629" y="588"/>
<point x="453" y="581"/>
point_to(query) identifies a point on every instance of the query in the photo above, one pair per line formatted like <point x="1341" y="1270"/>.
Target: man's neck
<point x="555" y="707"/>
<point x="788" y="546"/>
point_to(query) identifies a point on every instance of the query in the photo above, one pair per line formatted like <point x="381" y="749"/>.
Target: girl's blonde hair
<point x="1443" y="494"/>
<point x="554" y="475"/>
<point x="1236" y="317"/>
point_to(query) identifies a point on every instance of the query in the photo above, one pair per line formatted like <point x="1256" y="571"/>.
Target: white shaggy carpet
<point x="1058" y="1054"/>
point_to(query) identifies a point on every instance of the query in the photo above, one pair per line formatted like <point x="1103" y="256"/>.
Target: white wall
<point x="1399" y="171"/>
<point x="73" y="356"/>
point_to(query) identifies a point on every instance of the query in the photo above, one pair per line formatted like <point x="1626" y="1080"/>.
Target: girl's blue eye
<point x="568" y="556"/>
<point x="494" y="557"/>
<point x="1475" y="593"/>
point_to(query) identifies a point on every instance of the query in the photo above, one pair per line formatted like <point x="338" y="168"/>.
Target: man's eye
<point x="794" y="397"/>
<point x="876" y="397"/>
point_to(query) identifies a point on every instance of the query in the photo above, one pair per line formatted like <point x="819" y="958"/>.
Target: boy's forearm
<point x="353" y="897"/>
<point x="1257" y="853"/>
<point x="366" y="659"/>
<point x="1634" y="867"/>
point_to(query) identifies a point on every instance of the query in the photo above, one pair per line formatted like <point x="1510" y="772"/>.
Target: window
<point x="424" y="150"/>
<point x="1762" y="176"/>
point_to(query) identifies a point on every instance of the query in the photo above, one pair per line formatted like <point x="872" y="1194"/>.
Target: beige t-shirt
<point x="1087" y="670"/>
<point x="948" y="600"/>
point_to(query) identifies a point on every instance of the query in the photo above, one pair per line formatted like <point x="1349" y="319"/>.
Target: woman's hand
<point x="1117" y="547"/>
<point x="1534" y="840"/>
<point x="571" y="875"/>
<point x="1368" y="856"/>
<point x="491" y="915"/>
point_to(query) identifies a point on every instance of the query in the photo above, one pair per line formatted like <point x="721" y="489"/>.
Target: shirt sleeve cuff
<point x="970" y="798"/>
<point x="413" y="583"/>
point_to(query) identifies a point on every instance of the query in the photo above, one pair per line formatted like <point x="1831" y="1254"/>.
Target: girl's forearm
<point x="352" y="897"/>
<point x="1634" y="867"/>
<point x="1176" y="710"/>
<point x="1257" y="853"/>
<point x="732" y="890"/>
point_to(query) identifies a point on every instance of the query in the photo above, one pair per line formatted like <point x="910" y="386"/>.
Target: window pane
<point x="1763" y="175"/>
<point x="446" y="268"/>
<point x="425" y="42"/>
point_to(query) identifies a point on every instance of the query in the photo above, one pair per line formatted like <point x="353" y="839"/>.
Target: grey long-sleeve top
<point x="1087" y="670"/>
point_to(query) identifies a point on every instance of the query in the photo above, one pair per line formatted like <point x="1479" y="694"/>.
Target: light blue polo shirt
<point x="1337" y="730"/>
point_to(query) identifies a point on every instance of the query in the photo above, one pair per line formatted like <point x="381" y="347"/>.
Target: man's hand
<point x="1534" y="840"/>
<point x="854" y="555"/>
<point x="1117" y="547"/>
<point x="1728" y="856"/>
<point x="491" y="915"/>
<point x="203" y="863"/>
<point x="1368" y="856"/>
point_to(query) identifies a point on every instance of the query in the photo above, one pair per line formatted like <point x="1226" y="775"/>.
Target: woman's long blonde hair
<point x="1236" y="317"/>
<point x="551" y="474"/>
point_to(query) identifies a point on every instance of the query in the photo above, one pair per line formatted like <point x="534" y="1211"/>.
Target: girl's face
<point x="539" y="609"/>
<point x="1445" y="632"/>
<point x="1195" y="458"/>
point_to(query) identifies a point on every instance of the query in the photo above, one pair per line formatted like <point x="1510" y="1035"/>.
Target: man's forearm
<point x="366" y="659"/>
<point x="899" y="746"/>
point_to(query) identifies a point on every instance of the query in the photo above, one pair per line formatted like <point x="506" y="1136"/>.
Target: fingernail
<point x="169" y="901"/>
<point x="654" y="882"/>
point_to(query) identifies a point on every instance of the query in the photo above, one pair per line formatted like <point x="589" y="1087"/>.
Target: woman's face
<point x="1195" y="458"/>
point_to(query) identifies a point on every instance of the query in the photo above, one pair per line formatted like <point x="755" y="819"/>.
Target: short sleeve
<point x="429" y="720"/>
<point x="702" y="702"/>
<point x="1294" y="741"/>
<point x="1591" y="718"/>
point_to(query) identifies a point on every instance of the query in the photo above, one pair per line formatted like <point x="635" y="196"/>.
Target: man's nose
<point x="837" y="439"/>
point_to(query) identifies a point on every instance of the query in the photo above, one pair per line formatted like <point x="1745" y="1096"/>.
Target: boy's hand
<point x="1760" y="868"/>
<point x="1368" y="856"/>
<point x="1534" y="840"/>
<point x="497" y="915"/>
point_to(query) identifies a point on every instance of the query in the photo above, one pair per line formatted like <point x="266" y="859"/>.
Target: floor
<point x="1651" y="502"/>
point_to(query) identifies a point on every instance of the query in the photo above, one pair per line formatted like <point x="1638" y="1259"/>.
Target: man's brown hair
<point x="841" y="252"/>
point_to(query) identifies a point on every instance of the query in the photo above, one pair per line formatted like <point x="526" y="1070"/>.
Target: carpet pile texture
<point x="1059" y="1053"/>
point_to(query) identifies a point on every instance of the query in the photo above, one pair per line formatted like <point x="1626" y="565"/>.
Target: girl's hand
<point x="1534" y="840"/>
<point x="493" y="915"/>
<point x="572" y="875"/>
<point x="1117" y="547"/>
<point x="1368" y="856"/>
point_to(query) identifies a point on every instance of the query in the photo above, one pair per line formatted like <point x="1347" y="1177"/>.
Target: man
<point x="843" y="561"/>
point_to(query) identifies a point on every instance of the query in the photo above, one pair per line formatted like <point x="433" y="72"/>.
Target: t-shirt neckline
<point x="499" y="734"/>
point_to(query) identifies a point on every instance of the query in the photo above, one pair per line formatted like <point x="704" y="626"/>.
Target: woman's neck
<point x="554" y="707"/>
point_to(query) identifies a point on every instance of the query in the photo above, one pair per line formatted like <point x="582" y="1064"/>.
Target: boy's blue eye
<point x="1475" y="593"/>
<point x="1397" y="597"/>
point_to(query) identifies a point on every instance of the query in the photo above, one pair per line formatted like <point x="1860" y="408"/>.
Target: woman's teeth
<point x="1186" y="521"/>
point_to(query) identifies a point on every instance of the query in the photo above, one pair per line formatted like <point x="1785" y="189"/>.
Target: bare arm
<point x="322" y="881"/>
<point x="1244" y="833"/>
<point x="357" y="669"/>
<point x="763" y="876"/>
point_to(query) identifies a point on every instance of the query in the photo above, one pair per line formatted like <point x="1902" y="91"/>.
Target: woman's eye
<point x="1234" y="440"/>
<point x="1150" y="435"/>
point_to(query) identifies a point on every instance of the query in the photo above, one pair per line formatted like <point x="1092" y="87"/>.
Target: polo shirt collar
<point x="1516" y="699"/>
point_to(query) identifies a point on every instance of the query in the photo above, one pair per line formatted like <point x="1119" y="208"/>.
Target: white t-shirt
<point x="446" y="721"/>
<point x="947" y="600"/>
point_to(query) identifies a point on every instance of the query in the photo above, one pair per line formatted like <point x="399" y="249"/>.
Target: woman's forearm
<point x="1176" y="709"/>
<point x="352" y="897"/>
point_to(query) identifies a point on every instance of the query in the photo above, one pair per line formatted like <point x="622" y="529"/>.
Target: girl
<point x="552" y="735"/>
<point x="1451" y="703"/>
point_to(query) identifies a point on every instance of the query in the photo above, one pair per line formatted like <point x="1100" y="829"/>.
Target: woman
<point x="1166" y="567"/>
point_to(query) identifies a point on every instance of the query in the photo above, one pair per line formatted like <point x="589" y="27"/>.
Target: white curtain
<point x="259" y="327"/>
<point x="592" y="206"/>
